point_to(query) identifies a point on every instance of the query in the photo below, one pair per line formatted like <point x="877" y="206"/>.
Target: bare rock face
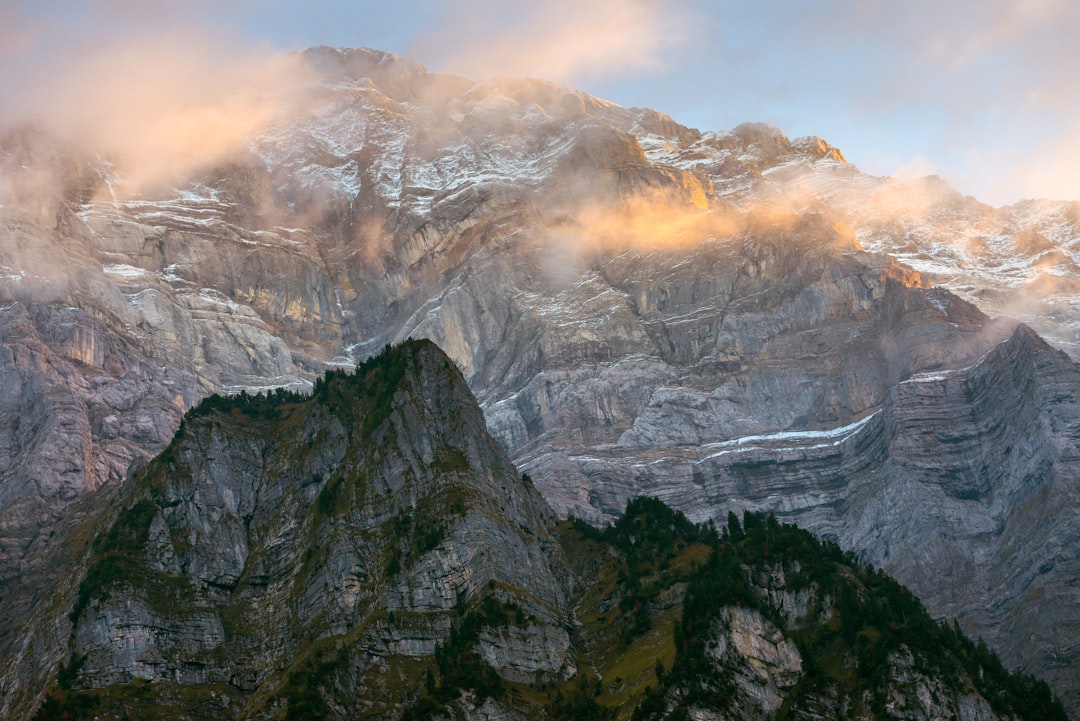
<point x="276" y="525"/>
<point x="370" y="551"/>
<point x="714" y="318"/>
<point x="79" y="404"/>
<point x="525" y="654"/>
<point x="766" y="664"/>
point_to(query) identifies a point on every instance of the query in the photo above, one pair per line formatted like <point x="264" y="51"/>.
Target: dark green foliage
<point x="331" y="496"/>
<point x="458" y="667"/>
<point x="305" y="687"/>
<point x="650" y="535"/>
<point x="374" y="384"/>
<point x="734" y="528"/>
<point x="423" y="709"/>
<point x="67" y="706"/>
<point x="579" y="705"/>
<point x="62" y="703"/>
<point x="402" y="523"/>
<point x="426" y="533"/>
<point x="649" y="523"/>
<point x="117" y="556"/>
<point x="458" y="664"/>
<point x="367" y="392"/>
<point x="873" y="616"/>
<point x="451" y="460"/>
<point x="428" y="536"/>
<point x="255" y="405"/>
<point x="65" y="677"/>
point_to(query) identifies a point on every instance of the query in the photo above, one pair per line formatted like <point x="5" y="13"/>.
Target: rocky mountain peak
<point x="769" y="141"/>
<point x="817" y="149"/>
<point x="370" y="551"/>
<point x="385" y="69"/>
<point x="369" y="513"/>
<point x="640" y="309"/>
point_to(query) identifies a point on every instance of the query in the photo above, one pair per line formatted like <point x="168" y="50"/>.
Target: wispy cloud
<point x="562" y="40"/>
<point x="17" y="33"/>
<point x="986" y="88"/>
<point x="983" y="89"/>
<point x="162" y="104"/>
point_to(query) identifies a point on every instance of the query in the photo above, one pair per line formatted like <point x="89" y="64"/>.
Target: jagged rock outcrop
<point x="79" y="404"/>
<point x="371" y="552"/>
<point x="363" y="520"/>
<point x="625" y="296"/>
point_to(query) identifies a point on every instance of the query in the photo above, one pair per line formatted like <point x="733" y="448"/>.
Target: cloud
<point x="563" y="41"/>
<point x="159" y="105"/>
<point x="945" y="81"/>
<point x="17" y="34"/>
<point x="1043" y="167"/>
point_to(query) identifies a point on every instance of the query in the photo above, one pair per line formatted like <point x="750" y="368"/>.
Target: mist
<point x="158" y="107"/>
<point x="564" y="41"/>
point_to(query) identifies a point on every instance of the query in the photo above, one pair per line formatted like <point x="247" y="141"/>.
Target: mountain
<point x="718" y="319"/>
<point x="371" y="552"/>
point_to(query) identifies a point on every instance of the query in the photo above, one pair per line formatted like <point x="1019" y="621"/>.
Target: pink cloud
<point x="160" y="105"/>
<point x="562" y="40"/>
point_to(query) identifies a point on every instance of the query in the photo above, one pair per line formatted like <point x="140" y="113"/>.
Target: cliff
<point x="370" y="552"/>
<point x="640" y="307"/>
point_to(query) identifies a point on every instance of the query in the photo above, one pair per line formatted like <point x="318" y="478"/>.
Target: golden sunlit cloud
<point x="1046" y="170"/>
<point x="16" y="35"/>
<point x="562" y="41"/>
<point x="165" y="105"/>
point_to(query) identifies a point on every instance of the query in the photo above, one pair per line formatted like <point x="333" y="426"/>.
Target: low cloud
<point x="17" y="34"/>
<point x="642" y="223"/>
<point x="159" y="106"/>
<point x="564" y="41"/>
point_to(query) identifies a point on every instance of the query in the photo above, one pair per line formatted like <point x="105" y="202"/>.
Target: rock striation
<point x="717" y="318"/>
<point x="371" y="552"/>
<point x="270" y="531"/>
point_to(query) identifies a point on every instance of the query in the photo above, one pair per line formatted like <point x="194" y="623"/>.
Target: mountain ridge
<point x="557" y="248"/>
<point x="228" y="584"/>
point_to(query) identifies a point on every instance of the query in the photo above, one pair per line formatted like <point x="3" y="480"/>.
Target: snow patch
<point x="801" y="440"/>
<point x="125" y="271"/>
<point x="218" y="298"/>
<point x="169" y="274"/>
<point x="268" y="385"/>
<point x="138" y="300"/>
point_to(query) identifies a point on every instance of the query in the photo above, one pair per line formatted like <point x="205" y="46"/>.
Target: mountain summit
<point x="719" y="319"/>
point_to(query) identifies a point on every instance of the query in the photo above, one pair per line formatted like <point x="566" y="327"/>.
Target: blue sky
<point x="983" y="93"/>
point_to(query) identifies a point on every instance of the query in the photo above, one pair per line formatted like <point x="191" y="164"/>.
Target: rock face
<point x="371" y="552"/>
<point x="79" y="403"/>
<point x="640" y="307"/>
<point x="270" y="530"/>
<point x="765" y="663"/>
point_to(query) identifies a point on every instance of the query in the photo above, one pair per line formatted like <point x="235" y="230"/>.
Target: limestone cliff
<point x="370" y="552"/>
<point x="277" y="533"/>
<point x="640" y="308"/>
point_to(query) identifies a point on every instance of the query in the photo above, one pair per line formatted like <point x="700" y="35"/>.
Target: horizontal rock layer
<point x="624" y="295"/>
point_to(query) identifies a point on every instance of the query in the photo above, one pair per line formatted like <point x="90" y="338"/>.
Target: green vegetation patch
<point x="118" y="556"/>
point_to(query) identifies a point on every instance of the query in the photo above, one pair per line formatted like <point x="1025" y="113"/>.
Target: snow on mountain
<point x="716" y="318"/>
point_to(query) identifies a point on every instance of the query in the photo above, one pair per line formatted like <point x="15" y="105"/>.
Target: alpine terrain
<point x="727" y="321"/>
<point x="371" y="552"/>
